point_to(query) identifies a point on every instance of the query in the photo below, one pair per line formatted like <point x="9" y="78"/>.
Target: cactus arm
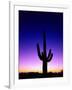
<point x="51" y="56"/>
<point x="49" y="59"/>
<point x="38" y="50"/>
<point x="49" y="53"/>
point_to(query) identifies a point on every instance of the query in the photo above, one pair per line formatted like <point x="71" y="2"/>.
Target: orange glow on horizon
<point x="50" y="70"/>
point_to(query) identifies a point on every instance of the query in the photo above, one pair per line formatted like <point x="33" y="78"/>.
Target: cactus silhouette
<point x="43" y="55"/>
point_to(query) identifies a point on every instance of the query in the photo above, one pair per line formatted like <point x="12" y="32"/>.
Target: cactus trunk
<point x="44" y="44"/>
<point x="44" y="50"/>
<point x="44" y="67"/>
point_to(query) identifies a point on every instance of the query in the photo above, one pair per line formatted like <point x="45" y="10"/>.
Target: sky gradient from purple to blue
<point x="32" y="24"/>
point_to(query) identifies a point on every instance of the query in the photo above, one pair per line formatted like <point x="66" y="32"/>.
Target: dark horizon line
<point x="42" y="72"/>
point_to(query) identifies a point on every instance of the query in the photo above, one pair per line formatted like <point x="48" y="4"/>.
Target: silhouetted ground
<point x="39" y="75"/>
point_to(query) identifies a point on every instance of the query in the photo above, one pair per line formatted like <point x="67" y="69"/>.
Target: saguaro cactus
<point x="43" y="55"/>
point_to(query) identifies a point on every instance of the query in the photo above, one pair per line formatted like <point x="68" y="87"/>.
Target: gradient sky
<point x="32" y="24"/>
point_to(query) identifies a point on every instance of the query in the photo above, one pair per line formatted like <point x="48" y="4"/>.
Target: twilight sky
<point x="32" y="24"/>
